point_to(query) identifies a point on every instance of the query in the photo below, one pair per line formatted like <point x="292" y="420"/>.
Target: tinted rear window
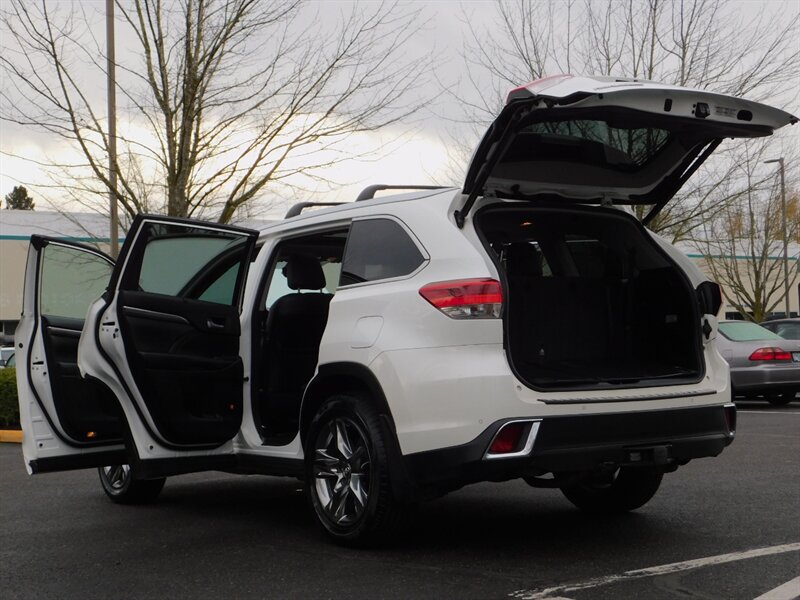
<point x="790" y="331"/>
<point x="378" y="249"/>
<point x="745" y="331"/>
<point x="591" y="142"/>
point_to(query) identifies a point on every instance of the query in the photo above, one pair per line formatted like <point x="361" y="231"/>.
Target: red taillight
<point x="508" y="439"/>
<point x="466" y="298"/>
<point x="771" y="354"/>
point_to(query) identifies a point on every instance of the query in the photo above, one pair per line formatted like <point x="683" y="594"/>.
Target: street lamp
<point x="785" y="234"/>
<point x="112" y="128"/>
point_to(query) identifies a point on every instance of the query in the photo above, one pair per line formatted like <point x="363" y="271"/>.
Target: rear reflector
<point x="466" y="298"/>
<point x="507" y="440"/>
<point x="771" y="354"/>
<point x="514" y="439"/>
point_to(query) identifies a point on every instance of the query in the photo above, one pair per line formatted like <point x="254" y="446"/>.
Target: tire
<point x="121" y="485"/>
<point x="347" y="473"/>
<point x="781" y="398"/>
<point x="617" y="492"/>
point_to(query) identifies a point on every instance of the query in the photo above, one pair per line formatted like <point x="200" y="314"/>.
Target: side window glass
<point x="279" y="286"/>
<point x="71" y="280"/>
<point x="325" y="247"/>
<point x="189" y="262"/>
<point x="378" y="249"/>
<point x="221" y="290"/>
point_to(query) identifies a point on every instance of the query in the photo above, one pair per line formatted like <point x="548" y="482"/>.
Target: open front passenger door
<point x="166" y="340"/>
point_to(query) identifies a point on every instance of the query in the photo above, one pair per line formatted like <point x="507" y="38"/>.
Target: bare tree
<point x="742" y="244"/>
<point x="706" y="44"/>
<point x="225" y="99"/>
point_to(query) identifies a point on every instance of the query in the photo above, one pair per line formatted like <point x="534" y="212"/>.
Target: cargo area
<point x="591" y="301"/>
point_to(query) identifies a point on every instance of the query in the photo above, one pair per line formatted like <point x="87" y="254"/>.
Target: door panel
<point x="86" y="409"/>
<point x="69" y="422"/>
<point x="190" y="374"/>
<point x="171" y="331"/>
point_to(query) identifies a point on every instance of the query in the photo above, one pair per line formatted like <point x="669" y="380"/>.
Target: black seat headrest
<point x="523" y="260"/>
<point x="304" y="273"/>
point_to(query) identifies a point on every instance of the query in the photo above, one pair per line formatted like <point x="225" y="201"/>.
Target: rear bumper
<point x="662" y="438"/>
<point x="765" y="378"/>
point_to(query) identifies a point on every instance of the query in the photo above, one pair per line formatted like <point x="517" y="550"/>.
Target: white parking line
<point x="554" y="592"/>
<point x="788" y="591"/>
<point x="769" y="412"/>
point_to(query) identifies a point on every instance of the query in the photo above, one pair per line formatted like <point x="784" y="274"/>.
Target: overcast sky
<point x="417" y="153"/>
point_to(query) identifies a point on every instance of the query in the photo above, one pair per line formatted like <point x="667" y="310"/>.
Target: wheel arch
<point x="339" y="378"/>
<point x="355" y="378"/>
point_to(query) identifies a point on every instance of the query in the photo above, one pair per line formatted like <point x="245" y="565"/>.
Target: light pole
<point x="112" y="128"/>
<point x="785" y="234"/>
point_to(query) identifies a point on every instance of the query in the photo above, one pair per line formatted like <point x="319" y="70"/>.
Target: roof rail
<point x="298" y="208"/>
<point x="369" y="192"/>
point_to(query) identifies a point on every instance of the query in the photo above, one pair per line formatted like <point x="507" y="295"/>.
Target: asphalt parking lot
<point x="719" y="528"/>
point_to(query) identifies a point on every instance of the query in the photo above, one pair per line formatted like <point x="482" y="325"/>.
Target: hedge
<point x="9" y="404"/>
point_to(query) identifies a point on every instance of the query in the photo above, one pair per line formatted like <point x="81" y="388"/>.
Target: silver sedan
<point x="762" y="362"/>
<point x="786" y="328"/>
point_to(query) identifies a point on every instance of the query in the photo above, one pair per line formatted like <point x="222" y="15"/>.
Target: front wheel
<point x="347" y="472"/>
<point x="121" y="485"/>
<point x="617" y="491"/>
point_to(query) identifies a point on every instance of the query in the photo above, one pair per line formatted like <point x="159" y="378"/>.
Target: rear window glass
<point x="745" y="331"/>
<point x="594" y="142"/>
<point x="71" y="280"/>
<point x="790" y="331"/>
<point x="378" y="249"/>
<point x="189" y="262"/>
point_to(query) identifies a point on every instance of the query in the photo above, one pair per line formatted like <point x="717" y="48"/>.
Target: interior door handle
<point x="212" y="324"/>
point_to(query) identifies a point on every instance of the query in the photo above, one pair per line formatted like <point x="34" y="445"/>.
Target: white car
<point x="6" y="352"/>
<point x="393" y="349"/>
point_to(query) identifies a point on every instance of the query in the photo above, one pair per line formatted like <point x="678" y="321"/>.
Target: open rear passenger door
<point x="166" y="341"/>
<point x="68" y="422"/>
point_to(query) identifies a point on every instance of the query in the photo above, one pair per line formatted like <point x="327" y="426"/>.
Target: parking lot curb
<point x="11" y="436"/>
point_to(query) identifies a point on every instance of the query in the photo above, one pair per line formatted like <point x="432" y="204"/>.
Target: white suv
<point x="391" y="350"/>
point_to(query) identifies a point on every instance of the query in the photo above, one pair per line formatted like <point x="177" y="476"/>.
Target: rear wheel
<point x="781" y="398"/>
<point x="121" y="485"/>
<point x="616" y="491"/>
<point x="347" y="469"/>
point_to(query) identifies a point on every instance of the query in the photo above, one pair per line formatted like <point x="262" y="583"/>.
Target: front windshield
<point x="744" y="331"/>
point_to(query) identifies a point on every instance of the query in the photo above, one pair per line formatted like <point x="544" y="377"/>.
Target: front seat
<point x="295" y="324"/>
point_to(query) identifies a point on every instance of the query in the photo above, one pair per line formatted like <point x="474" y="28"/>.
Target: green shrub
<point x="9" y="404"/>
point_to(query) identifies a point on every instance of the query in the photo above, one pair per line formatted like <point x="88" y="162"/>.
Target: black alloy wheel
<point x="123" y="487"/>
<point x="347" y="470"/>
